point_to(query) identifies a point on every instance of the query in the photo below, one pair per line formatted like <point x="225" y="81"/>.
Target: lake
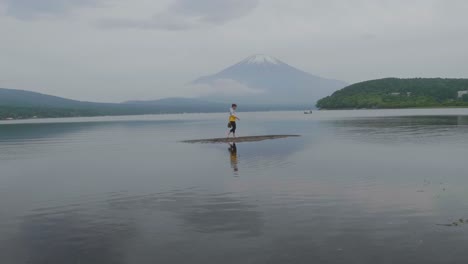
<point x="380" y="186"/>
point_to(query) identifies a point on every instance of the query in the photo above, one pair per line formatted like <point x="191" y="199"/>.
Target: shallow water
<point x="356" y="187"/>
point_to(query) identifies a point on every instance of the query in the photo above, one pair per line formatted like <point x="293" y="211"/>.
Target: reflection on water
<point x="352" y="189"/>
<point x="264" y="154"/>
<point x="21" y="140"/>
<point x="201" y="212"/>
<point x="68" y="237"/>
<point x="83" y="234"/>
<point x="233" y="157"/>
<point x="405" y="129"/>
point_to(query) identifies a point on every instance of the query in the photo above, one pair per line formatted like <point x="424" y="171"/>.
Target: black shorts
<point x="233" y="126"/>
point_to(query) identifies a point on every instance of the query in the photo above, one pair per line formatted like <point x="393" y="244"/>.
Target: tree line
<point x="399" y="93"/>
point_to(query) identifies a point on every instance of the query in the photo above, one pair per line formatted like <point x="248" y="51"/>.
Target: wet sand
<point x="239" y="139"/>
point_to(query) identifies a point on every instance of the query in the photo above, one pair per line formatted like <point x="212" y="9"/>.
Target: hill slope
<point x="265" y="79"/>
<point x="18" y="104"/>
<point x="22" y="98"/>
<point x="25" y="104"/>
<point x="180" y="105"/>
<point x="399" y="93"/>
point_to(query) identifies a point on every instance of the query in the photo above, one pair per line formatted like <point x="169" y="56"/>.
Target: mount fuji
<point x="262" y="79"/>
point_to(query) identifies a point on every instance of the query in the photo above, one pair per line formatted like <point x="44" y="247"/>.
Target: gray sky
<point x="115" y="50"/>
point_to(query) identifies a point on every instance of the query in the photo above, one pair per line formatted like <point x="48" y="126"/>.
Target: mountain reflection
<point x="46" y="131"/>
<point x="416" y="129"/>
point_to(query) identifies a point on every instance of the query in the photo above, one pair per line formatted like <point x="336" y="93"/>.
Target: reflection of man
<point x="233" y="151"/>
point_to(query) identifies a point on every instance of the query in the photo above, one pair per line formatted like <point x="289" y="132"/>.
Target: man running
<point x="232" y="120"/>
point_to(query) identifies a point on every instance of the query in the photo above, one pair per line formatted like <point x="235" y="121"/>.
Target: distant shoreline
<point x="395" y="108"/>
<point x="26" y="113"/>
<point x="143" y="117"/>
<point x="133" y="115"/>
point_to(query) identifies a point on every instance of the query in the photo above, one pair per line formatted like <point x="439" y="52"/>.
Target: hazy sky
<point x="115" y="50"/>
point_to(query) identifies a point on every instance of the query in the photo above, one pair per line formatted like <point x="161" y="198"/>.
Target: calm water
<point x="357" y="187"/>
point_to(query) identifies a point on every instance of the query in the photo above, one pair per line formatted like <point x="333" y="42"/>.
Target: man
<point x="232" y="120"/>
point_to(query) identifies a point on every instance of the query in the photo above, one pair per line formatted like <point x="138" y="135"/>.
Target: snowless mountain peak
<point x="261" y="59"/>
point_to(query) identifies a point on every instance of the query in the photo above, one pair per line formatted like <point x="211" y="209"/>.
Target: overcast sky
<point x="116" y="50"/>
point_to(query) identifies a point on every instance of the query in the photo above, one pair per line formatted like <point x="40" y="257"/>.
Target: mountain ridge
<point x="258" y="83"/>
<point x="22" y="104"/>
<point x="269" y="79"/>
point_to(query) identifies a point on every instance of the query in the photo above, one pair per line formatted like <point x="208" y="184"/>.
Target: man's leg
<point x="230" y="130"/>
<point x="234" y="127"/>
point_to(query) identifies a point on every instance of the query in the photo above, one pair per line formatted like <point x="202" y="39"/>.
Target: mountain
<point x="264" y="79"/>
<point x="12" y="97"/>
<point x="174" y="101"/>
<point x="19" y="104"/>
<point x="195" y="104"/>
<point x="178" y="104"/>
<point x="400" y="93"/>
<point x="25" y="104"/>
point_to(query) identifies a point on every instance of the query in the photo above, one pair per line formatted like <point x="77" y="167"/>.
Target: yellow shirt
<point x="232" y="116"/>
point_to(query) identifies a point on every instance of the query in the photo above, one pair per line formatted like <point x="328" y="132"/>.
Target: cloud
<point x="214" y="11"/>
<point x="181" y="41"/>
<point x="160" y="21"/>
<point x="188" y="14"/>
<point x="368" y="36"/>
<point x="225" y="87"/>
<point x="33" y="9"/>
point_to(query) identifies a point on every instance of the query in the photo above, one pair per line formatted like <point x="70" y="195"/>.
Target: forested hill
<point x="399" y="93"/>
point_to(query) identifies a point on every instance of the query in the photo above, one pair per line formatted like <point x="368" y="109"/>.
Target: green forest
<point x="399" y="93"/>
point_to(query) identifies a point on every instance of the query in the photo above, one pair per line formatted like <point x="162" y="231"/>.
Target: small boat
<point x="308" y="112"/>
